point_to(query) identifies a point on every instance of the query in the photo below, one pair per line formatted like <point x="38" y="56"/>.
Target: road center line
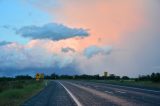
<point x="72" y="96"/>
<point x="108" y="92"/>
<point x="121" y="91"/>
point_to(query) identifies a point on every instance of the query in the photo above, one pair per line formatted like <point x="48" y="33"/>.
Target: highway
<point x="83" y="93"/>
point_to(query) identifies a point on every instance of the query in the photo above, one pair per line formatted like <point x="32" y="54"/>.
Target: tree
<point x="112" y="77"/>
<point x="54" y="76"/>
<point x="125" y="78"/>
<point x="22" y="77"/>
<point x="155" y="77"/>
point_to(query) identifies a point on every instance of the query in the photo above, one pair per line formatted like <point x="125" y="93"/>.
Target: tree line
<point x="154" y="77"/>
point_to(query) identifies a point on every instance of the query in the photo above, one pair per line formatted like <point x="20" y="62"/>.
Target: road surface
<point x="83" y="93"/>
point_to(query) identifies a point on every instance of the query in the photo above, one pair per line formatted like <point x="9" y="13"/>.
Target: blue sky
<point x="16" y="14"/>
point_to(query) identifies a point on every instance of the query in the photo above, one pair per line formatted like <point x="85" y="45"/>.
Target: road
<point x="83" y="93"/>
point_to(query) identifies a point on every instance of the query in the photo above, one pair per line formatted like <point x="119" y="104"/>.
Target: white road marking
<point x="108" y="92"/>
<point x="121" y="91"/>
<point x="72" y="96"/>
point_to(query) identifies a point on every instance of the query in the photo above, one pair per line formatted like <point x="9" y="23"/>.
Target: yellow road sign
<point x="39" y="76"/>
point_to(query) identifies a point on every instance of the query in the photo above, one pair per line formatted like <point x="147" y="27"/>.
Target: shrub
<point x="125" y="78"/>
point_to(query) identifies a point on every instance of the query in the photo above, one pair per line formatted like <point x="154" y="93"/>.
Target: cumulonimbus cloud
<point x="52" y="31"/>
<point x="19" y="57"/>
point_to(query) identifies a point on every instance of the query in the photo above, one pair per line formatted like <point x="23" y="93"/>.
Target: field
<point x="133" y="83"/>
<point x="15" y="92"/>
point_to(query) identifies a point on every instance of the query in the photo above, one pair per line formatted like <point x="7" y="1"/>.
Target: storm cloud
<point x="52" y="31"/>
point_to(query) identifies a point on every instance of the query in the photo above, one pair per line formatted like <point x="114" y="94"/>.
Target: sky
<point x="79" y="37"/>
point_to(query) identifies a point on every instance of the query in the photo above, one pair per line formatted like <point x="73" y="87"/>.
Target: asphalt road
<point x="83" y="93"/>
<point x="53" y="95"/>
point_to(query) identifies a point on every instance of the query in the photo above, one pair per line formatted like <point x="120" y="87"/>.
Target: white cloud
<point x="32" y="55"/>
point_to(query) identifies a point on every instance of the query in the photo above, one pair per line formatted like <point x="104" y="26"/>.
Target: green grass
<point x="19" y="91"/>
<point x="140" y="84"/>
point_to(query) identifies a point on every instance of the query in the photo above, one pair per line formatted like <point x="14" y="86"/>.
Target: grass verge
<point x="15" y="96"/>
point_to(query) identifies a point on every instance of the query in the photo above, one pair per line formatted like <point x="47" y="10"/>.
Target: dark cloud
<point x="11" y="72"/>
<point x="94" y="50"/>
<point x="67" y="49"/>
<point x="6" y="26"/>
<point x="51" y="31"/>
<point x="3" y="43"/>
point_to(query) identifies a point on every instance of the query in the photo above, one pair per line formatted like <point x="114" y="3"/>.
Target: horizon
<point x="79" y="37"/>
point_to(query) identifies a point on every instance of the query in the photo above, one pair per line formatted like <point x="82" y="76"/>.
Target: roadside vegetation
<point x="154" y="77"/>
<point x="143" y="81"/>
<point x="14" y="91"/>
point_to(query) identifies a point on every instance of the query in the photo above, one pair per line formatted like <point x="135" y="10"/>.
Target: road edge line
<point x="72" y="96"/>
